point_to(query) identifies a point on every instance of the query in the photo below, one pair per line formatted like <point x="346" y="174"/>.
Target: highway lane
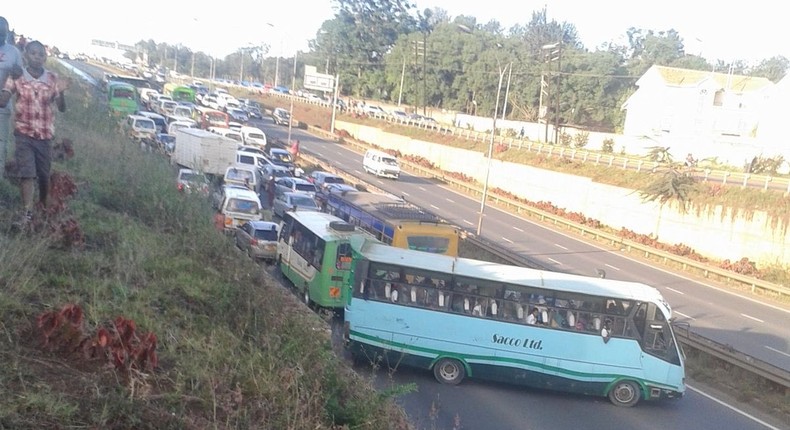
<point x="477" y="405"/>
<point x="748" y="325"/>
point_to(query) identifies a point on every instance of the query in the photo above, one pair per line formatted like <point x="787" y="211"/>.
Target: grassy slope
<point x="235" y="349"/>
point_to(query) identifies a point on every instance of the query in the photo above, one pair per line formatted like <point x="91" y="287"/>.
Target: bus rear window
<point x="433" y="244"/>
<point x="343" y="256"/>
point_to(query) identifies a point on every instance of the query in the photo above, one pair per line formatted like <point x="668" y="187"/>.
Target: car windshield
<point x="305" y="187"/>
<point x="334" y="180"/>
<point x="303" y="201"/>
<point x="270" y="235"/>
<point x="239" y="175"/>
<point x="193" y="177"/>
<point x="146" y="125"/>
<point x="281" y="156"/>
<point x="256" y="136"/>
<point x="389" y="161"/>
<point x="243" y="206"/>
<point x="283" y="113"/>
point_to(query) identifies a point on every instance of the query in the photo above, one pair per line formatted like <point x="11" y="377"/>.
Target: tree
<point x="774" y="68"/>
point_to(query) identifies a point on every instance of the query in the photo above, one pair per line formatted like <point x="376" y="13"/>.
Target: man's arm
<point x="61" y="85"/>
<point x="5" y="93"/>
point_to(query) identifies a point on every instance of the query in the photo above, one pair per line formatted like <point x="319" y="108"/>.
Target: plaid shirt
<point x="34" y="98"/>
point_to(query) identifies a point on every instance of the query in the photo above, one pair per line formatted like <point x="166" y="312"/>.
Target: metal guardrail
<point x="688" y="338"/>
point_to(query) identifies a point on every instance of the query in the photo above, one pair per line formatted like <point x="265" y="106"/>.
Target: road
<point x="478" y="405"/>
<point x="750" y="326"/>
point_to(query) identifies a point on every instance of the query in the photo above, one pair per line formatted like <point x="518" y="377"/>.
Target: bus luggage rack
<point x="406" y="212"/>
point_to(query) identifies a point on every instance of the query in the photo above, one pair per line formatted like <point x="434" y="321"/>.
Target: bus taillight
<point x="334" y="292"/>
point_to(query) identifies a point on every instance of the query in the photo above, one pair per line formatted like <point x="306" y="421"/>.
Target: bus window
<point x="433" y="244"/>
<point x="343" y="261"/>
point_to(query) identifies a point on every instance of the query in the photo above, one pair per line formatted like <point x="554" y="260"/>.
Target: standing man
<point x="10" y="65"/>
<point x="36" y="90"/>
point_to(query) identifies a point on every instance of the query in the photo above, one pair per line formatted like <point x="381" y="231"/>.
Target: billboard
<point x="318" y="81"/>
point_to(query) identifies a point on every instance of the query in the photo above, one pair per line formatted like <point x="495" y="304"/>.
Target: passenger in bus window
<point x="533" y="316"/>
<point x="477" y="310"/>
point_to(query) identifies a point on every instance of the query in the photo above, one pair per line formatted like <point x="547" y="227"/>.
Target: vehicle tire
<point x="625" y="394"/>
<point x="449" y="371"/>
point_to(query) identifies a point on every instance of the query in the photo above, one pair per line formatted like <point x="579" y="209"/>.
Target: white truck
<point x="204" y="151"/>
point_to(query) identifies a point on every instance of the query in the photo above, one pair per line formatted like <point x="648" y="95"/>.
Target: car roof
<point x="150" y="114"/>
<point x="237" y="191"/>
<point x="297" y="194"/>
<point x="321" y="173"/>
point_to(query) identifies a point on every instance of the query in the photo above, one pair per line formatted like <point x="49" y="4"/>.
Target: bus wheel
<point x="449" y="371"/>
<point x="625" y="394"/>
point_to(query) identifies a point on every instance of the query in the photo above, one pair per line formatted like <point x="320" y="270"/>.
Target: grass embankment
<point x="235" y="349"/>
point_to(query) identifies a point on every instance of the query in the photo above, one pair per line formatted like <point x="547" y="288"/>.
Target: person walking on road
<point x="36" y="90"/>
<point x="10" y="65"/>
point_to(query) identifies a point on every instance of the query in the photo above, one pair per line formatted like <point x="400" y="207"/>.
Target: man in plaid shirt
<point x="36" y="90"/>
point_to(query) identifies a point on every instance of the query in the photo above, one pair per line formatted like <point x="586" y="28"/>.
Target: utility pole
<point x="402" y="73"/>
<point x="424" y="59"/>
<point x="559" y="80"/>
<point x="543" y="110"/>
<point x="507" y="90"/>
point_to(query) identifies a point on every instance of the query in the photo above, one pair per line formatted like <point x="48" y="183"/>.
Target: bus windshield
<point x="436" y="245"/>
<point x="242" y="206"/>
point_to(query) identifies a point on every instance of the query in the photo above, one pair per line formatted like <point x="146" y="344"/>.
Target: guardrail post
<point x="625" y="164"/>
<point x="767" y="180"/>
<point x="584" y="159"/>
<point x="745" y="180"/>
<point x="529" y="148"/>
<point x="707" y="173"/>
<point x="562" y="152"/>
<point x="724" y="179"/>
<point x="597" y="159"/>
<point x="611" y="160"/>
<point x="639" y="166"/>
<point x="540" y="148"/>
<point x="551" y="150"/>
<point x="573" y="154"/>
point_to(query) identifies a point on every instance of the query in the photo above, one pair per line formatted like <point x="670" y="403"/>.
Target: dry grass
<point x="235" y="349"/>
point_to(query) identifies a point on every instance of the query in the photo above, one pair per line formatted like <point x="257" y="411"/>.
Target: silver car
<point x="293" y="201"/>
<point x="258" y="239"/>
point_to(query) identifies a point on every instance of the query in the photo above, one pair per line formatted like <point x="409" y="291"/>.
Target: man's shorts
<point x="33" y="157"/>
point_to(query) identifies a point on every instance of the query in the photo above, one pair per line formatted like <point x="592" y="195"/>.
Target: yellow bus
<point x="394" y="221"/>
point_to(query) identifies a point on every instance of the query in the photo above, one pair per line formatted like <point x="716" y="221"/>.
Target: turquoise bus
<point x="314" y="253"/>
<point x="468" y="318"/>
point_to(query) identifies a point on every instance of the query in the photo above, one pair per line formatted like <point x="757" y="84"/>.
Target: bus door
<point x="340" y="272"/>
<point x="658" y="341"/>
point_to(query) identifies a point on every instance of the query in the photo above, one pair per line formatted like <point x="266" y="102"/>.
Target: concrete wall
<point x="715" y="232"/>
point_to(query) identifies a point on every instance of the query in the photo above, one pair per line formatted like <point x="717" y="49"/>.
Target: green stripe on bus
<point x="487" y="358"/>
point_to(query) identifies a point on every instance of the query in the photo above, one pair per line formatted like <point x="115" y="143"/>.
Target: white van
<point x="381" y="164"/>
<point x="238" y="205"/>
<point x="140" y="127"/>
<point x="244" y="175"/>
<point x="253" y="136"/>
<point x="250" y="158"/>
<point x="230" y="134"/>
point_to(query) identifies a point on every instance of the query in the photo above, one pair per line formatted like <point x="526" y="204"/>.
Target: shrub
<point x="608" y="145"/>
<point x="581" y="139"/>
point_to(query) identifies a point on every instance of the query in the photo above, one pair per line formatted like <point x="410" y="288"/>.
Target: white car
<point x="293" y="201"/>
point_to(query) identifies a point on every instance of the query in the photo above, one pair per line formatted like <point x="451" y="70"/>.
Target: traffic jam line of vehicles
<point x="382" y="260"/>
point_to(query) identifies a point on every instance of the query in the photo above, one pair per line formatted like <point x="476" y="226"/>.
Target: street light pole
<point x="291" y="112"/>
<point x="490" y="155"/>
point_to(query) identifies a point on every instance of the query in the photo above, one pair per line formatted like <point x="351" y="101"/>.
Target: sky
<point x="748" y="31"/>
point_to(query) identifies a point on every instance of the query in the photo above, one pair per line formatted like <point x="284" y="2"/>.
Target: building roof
<point x="687" y="77"/>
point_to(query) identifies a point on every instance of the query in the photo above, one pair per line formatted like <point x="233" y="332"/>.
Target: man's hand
<point x="16" y="71"/>
<point x="63" y="84"/>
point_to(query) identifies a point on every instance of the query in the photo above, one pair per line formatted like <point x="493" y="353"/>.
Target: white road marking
<point x="776" y="350"/>
<point x="612" y="267"/>
<point x="404" y="193"/>
<point x="468" y="222"/>
<point x="435" y="207"/>
<point x="506" y="239"/>
<point x="422" y="188"/>
<point x="357" y="171"/>
<point x="554" y="261"/>
<point x="518" y="229"/>
<point x="752" y="318"/>
<point x="676" y="291"/>
<point x="732" y="408"/>
<point x="449" y="200"/>
<point x="684" y="315"/>
<point x="560" y="246"/>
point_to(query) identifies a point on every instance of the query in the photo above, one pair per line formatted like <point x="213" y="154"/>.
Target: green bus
<point x="314" y="253"/>
<point x="179" y="93"/>
<point x="122" y="98"/>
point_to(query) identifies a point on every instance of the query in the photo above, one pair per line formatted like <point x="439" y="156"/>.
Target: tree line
<point x="387" y="50"/>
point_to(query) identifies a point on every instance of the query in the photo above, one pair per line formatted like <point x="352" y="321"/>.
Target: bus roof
<point x="318" y="223"/>
<point x="387" y="207"/>
<point x="515" y="275"/>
